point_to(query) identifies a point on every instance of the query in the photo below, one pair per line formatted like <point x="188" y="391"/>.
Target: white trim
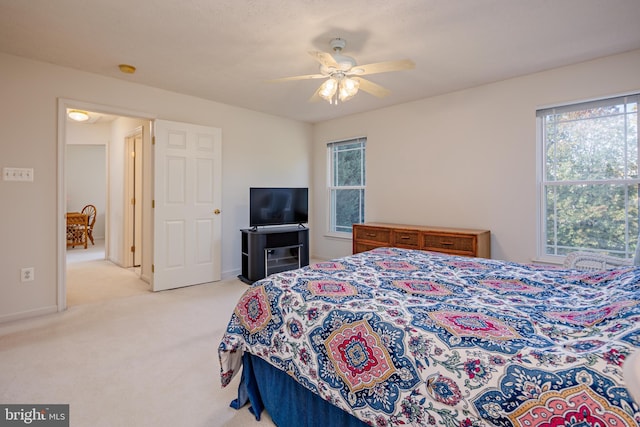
<point x="584" y="100"/>
<point x="28" y="314"/>
<point x="127" y="241"/>
<point x="336" y="235"/>
<point x="629" y="181"/>
<point x="328" y="231"/>
<point x="550" y="259"/>
<point x="230" y="274"/>
<point x="349" y="138"/>
<point x="539" y="205"/>
<point x="61" y="186"/>
<point x="542" y="181"/>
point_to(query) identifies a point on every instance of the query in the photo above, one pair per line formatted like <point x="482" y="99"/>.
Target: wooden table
<point x="77" y="226"/>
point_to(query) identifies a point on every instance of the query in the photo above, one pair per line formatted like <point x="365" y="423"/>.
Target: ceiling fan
<point x="343" y="74"/>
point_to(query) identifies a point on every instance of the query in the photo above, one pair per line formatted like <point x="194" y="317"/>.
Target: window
<point x="589" y="177"/>
<point x="346" y="184"/>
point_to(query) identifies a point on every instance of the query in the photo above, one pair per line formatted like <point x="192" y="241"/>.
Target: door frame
<point x="61" y="235"/>
<point x="133" y="182"/>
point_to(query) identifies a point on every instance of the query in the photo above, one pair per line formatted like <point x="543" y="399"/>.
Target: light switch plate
<point x="17" y="174"/>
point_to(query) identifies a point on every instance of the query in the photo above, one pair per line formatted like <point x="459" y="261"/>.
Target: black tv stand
<point x="255" y="227"/>
<point x="270" y="250"/>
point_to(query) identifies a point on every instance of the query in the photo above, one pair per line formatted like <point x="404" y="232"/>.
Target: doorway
<point x="181" y="195"/>
<point x="104" y="269"/>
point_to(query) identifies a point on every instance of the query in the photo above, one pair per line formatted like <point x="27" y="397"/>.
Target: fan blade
<point x="324" y="58"/>
<point x="306" y="77"/>
<point x="372" y="88"/>
<point x="382" y="67"/>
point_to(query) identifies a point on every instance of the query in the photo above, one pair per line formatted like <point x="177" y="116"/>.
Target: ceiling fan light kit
<point x="342" y="74"/>
<point x="338" y="88"/>
<point x="328" y="89"/>
<point x="348" y="88"/>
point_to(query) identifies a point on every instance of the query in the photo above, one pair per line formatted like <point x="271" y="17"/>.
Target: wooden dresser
<point x="454" y="241"/>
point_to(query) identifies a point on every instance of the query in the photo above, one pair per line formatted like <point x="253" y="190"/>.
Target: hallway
<point x="91" y="278"/>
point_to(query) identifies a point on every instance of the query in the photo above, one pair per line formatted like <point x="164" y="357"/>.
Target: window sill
<point x="339" y="236"/>
<point x="551" y="261"/>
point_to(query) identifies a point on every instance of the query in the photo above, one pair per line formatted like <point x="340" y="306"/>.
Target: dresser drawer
<point x="449" y="243"/>
<point x="380" y="235"/>
<point x="363" y="247"/>
<point x="406" y="239"/>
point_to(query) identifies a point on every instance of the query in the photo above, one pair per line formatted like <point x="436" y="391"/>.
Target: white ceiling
<point x="225" y="50"/>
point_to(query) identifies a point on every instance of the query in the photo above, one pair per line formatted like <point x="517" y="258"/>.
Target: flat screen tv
<point x="278" y="206"/>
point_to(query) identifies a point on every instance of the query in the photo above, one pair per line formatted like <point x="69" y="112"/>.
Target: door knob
<point x="217" y="212"/>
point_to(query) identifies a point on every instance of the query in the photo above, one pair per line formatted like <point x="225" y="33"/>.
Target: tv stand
<point x="266" y="251"/>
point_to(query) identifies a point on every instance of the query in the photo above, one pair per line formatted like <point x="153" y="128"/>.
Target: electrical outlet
<point x="27" y="274"/>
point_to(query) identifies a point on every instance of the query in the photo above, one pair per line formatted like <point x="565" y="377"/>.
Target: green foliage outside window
<point x="590" y="188"/>
<point x="347" y="184"/>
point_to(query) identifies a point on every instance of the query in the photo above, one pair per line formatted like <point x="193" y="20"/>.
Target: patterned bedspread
<point x="401" y="337"/>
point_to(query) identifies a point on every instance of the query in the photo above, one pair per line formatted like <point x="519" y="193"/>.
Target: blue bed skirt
<point x="288" y="403"/>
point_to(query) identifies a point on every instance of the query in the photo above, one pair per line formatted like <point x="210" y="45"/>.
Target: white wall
<point x="86" y="172"/>
<point x="86" y="181"/>
<point x="85" y="133"/>
<point x="257" y="148"/>
<point x="464" y="159"/>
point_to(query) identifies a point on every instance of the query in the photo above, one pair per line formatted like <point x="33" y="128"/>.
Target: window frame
<point x="541" y="170"/>
<point x="329" y="231"/>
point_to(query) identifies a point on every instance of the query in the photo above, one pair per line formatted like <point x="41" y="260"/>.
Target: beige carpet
<point x="91" y="278"/>
<point x="143" y="359"/>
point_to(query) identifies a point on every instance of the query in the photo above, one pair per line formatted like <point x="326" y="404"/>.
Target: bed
<point x="402" y="337"/>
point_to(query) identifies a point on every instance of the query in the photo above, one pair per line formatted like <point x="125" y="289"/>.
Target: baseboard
<point x="29" y="314"/>
<point x="229" y="274"/>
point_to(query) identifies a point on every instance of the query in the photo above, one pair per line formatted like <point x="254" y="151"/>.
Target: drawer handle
<point x="445" y="243"/>
<point x="370" y="234"/>
<point x="405" y="237"/>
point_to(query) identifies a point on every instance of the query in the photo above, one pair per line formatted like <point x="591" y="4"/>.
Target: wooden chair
<point x="77" y="226"/>
<point x="90" y="211"/>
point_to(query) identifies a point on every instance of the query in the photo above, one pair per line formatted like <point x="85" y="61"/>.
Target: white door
<point x="187" y="220"/>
